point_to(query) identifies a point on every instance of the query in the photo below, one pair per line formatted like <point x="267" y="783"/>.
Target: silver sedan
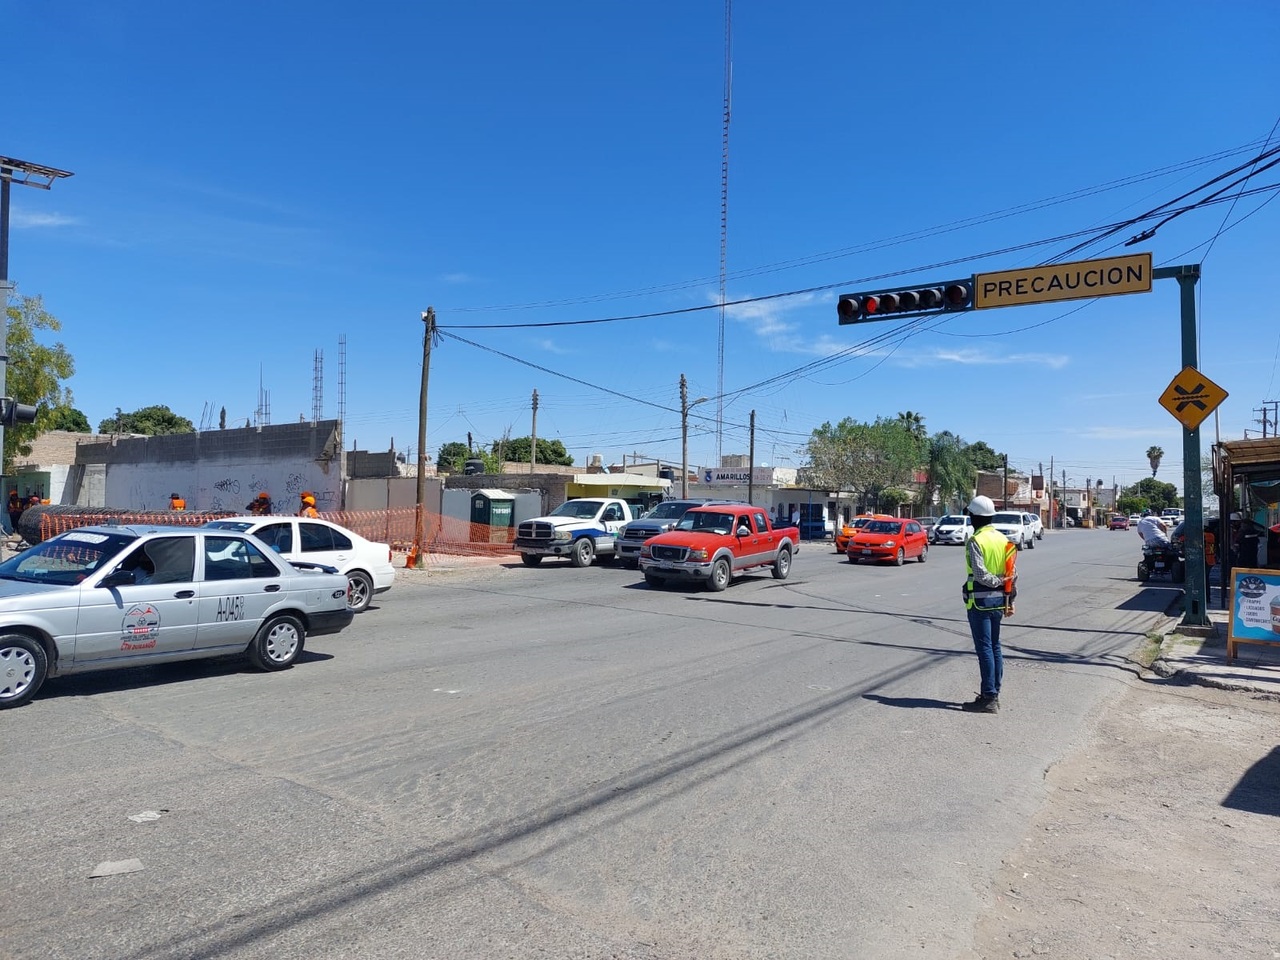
<point x="99" y="598"/>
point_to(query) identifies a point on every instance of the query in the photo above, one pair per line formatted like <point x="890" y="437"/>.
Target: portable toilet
<point x="491" y="509"/>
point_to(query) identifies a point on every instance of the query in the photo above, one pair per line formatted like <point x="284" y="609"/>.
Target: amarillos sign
<point x="738" y="476"/>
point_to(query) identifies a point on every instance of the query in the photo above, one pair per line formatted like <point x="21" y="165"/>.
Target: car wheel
<point x="359" y="591"/>
<point x="1031" y="543"/>
<point x="277" y="643"/>
<point x="531" y="559"/>
<point x="782" y="566"/>
<point x="924" y="553"/>
<point x="1144" y="572"/>
<point x="654" y="581"/>
<point x="584" y="552"/>
<point x="719" y="578"/>
<point x="900" y="558"/>
<point x="23" y="667"/>
<point x="1019" y="544"/>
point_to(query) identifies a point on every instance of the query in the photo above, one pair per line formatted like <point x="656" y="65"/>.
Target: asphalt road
<point x="563" y="763"/>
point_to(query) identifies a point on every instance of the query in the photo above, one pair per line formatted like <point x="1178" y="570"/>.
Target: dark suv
<point x="660" y="519"/>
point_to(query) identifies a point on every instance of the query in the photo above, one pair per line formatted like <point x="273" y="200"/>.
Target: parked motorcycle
<point x="1161" y="559"/>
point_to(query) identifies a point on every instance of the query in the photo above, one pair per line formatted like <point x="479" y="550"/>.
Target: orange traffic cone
<point x="411" y="560"/>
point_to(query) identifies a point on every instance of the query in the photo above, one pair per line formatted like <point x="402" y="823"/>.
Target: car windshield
<point x="720" y="523"/>
<point x="1007" y="518"/>
<point x="578" y="509"/>
<point x="950" y="521"/>
<point x="66" y="559"/>
<point x="671" y="510"/>
<point x="884" y="526"/>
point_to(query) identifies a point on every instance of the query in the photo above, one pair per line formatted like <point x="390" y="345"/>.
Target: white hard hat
<point x="981" y="507"/>
<point x="1235" y="516"/>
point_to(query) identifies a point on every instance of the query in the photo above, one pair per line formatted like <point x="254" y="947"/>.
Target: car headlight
<point x="562" y="535"/>
<point x="644" y="551"/>
<point x="889" y="543"/>
<point x="698" y="555"/>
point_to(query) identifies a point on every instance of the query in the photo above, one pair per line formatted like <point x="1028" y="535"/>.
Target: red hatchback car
<point x="1118" y="523"/>
<point x="894" y="540"/>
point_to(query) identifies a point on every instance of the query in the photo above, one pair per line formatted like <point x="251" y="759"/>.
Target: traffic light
<point x="13" y="413"/>
<point x="941" y="298"/>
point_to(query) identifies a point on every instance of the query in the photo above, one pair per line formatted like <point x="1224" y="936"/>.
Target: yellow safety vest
<point x="994" y="546"/>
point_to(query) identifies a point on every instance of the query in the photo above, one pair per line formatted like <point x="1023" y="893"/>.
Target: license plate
<point x="866" y="551"/>
<point x="666" y="566"/>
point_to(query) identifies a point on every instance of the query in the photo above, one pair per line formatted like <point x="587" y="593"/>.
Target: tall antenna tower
<point x="342" y="385"/>
<point x="317" y="387"/>
<point x="262" y="415"/>
<point x="724" y="219"/>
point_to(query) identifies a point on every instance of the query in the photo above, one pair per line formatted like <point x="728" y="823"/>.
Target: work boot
<point x="982" y="704"/>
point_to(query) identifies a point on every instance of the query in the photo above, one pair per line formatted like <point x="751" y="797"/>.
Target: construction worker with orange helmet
<point x="177" y="502"/>
<point x="308" y="505"/>
<point x="989" y="591"/>
<point x="260" y="506"/>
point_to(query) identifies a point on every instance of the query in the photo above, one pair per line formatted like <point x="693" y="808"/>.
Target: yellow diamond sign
<point x="1191" y="396"/>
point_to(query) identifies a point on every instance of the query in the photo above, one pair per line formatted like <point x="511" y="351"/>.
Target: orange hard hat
<point x="263" y="496"/>
<point x="310" y="500"/>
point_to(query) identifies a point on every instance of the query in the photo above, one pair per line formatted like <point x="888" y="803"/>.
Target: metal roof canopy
<point x="31" y="174"/>
<point x="1251" y="456"/>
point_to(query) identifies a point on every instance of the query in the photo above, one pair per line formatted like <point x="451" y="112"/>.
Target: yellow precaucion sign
<point x="1063" y="281"/>
<point x="1191" y="396"/>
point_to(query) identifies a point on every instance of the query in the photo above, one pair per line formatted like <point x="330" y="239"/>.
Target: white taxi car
<point x="366" y="565"/>
<point x="99" y="598"/>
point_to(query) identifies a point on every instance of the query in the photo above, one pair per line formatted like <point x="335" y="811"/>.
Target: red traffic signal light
<point x="860" y="307"/>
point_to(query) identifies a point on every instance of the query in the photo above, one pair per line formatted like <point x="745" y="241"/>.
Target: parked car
<point x="1037" y="525"/>
<point x="365" y="564"/>
<point x="894" y="540"/>
<point x="1118" y="522"/>
<point x="953" y="528"/>
<point x="98" y="598"/>
<point x="1016" y="526"/>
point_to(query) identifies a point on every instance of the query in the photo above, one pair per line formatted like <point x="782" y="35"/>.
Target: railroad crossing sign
<point x="1191" y="396"/>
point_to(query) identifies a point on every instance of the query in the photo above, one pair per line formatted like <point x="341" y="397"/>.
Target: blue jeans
<point x="985" y="627"/>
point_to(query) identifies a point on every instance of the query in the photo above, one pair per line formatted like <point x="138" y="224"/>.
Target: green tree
<point x="35" y="372"/>
<point x="452" y="456"/>
<point x="1152" y="493"/>
<point x="1154" y="456"/>
<point x="153" y="421"/>
<point x="862" y="458"/>
<point x="517" y="449"/>
<point x="68" y="418"/>
<point x="949" y="471"/>
<point x="913" y="423"/>
<point x="983" y="457"/>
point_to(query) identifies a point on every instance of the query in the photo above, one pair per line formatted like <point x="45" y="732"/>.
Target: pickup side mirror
<point x="743" y="532"/>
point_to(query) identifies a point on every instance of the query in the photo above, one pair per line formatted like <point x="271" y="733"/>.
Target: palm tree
<point x="914" y="424"/>
<point x="1154" y="456"/>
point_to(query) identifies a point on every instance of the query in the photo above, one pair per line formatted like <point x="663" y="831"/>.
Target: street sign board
<point x="1191" y="396"/>
<point x="1082" y="280"/>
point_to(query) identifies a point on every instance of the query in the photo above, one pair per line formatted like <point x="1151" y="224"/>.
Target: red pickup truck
<point x="713" y="543"/>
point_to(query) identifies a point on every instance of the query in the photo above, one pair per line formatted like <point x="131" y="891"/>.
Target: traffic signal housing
<point x="912" y="301"/>
<point x="13" y="413"/>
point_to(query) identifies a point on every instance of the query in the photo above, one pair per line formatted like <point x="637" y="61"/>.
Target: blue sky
<point x="253" y="181"/>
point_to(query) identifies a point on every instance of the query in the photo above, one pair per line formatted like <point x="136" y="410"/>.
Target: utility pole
<point x="684" y="434"/>
<point x="533" y="445"/>
<point x="751" y="462"/>
<point x="1049" y="494"/>
<point x="420" y="507"/>
<point x="1006" y="481"/>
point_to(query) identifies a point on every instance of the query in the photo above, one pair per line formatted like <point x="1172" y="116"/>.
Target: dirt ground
<point x="1160" y="838"/>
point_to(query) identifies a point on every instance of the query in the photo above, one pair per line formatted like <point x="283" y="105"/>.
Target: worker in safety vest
<point x="308" y="508"/>
<point x="176" y="502"/>
<point x="260" y="506"/>
<point x="989" y="590"/>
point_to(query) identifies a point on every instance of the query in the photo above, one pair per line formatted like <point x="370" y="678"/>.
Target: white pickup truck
<point x="578" y="529"/>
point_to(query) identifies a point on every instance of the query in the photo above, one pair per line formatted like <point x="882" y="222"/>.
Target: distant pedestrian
<point x="260" y="506"/>
<point x="989" y="590"/>
<point x="177" y="502"/>
<point x="308" y="508"/>
<point x="33" y="500"/>
<point x="15" y="509"/>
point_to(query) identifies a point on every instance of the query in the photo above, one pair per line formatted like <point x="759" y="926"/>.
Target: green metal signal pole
<point x="1196" y="613"/>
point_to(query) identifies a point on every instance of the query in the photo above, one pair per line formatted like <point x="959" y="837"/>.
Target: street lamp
<point x="33" y="175"/>
<point x="685" y="407"/>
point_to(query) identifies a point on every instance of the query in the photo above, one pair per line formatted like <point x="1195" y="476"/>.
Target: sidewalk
<point x="1199" y="655"/>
